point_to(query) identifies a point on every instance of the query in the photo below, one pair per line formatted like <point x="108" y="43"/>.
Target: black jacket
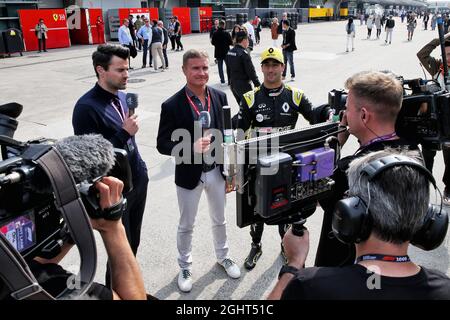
<point x="289" y="38"/>
<point x="176" y="113"/>
<point x="221" y="40"/>
<point x="166" y="36"/>
<point x="240" y="66"/>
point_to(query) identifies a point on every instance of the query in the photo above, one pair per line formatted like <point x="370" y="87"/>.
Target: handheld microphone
<point x="205" y="120"/>
<point x="132" y="102"/>
<point x="229" y="154"/>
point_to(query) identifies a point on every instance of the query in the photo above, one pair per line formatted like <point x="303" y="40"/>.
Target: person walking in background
<point x="257" y="26"/>
<point x="274" y="31"/>
<point x="171" y="31"/>
<point x="369" y="26"/>
<point x="378" y="25"/>
<point x="390" y="24"/>
<point x="137" y="26"/>
<point x="144" y="35"/>
<point x="236" y="29"/>
<point x="165" y="42"/>
<point x="41" y="33"/>
<point x="177" y="32"/>
<point x="157" y="40"/>
<point x="411" y="25"/>
<point x="221" y="40"/>
<point x="288" y="47"/>
<point x="100" y="30"/>
<point x="125" y="38"/>
<point x="350" y="30"/>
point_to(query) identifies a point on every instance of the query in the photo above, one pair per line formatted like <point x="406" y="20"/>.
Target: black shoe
<point x="143" y="66"/>
<point x="253" y="256"/>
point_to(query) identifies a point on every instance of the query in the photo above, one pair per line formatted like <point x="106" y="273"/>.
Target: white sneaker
<point x="292" y="78"/>
<point x="231" y="268"/>
<point x="185" y="280"/>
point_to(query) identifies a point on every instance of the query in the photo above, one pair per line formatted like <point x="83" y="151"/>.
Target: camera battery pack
<point x="273" y="184"/>
<point x="315" y="164"/>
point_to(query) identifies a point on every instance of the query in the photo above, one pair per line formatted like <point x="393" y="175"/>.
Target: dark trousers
<point x="428" y="156"/>
<point x="288" y="58"/>
<point x="238" y="88"/>
<point x="166" y="59"/>
<point x="42" y="44"/>
<point x="172" y="42"/>
<point x="257" y="37"/>
<point x="378" y="33"/>
<point x="220" y="66"/>
<point x="179" y="44"/>
<point x="132" y="218"/>
<point x="257" y="229"/>
<point x="144" y="53"/>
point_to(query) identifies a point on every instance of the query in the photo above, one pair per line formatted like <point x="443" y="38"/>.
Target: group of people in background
<point x="152" y="37"/>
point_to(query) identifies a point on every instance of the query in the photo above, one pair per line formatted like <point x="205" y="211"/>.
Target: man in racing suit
<point x="272" y="107"/>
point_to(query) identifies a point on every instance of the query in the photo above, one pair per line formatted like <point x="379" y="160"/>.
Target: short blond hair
<point x="381" y="90"/>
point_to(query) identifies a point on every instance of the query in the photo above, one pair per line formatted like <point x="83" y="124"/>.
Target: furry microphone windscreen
<point x="87" y="156"/>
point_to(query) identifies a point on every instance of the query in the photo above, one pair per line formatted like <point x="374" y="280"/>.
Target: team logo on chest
<point x="285" y="107"/>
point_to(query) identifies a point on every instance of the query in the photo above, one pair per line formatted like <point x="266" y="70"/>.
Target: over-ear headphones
<point x="352" y="222"/>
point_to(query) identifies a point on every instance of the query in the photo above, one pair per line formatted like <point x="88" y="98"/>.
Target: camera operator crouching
<point x="373" y="103"/>
<point x="387" y="209"/>
<point x="127" y="281"/>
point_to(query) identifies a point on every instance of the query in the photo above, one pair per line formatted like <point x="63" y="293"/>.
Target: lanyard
<point x="382" y="257"/>
<point x="377" y="139"/>
<point x="118" y="108"/>
<point x="195" y="107"/>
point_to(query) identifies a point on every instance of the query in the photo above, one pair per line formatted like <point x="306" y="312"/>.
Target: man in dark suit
<point x="104" y="110"/>
<point x="288" y="49"/>
<point x="180" y="135"/>
<point x="221" y="40"/>
<point x="165" y="42"/>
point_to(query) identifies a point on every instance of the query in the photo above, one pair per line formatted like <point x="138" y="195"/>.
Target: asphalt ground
<point x="49" y="84"/>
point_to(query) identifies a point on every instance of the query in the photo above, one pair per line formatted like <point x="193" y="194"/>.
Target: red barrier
<point x="97" y="27"/>
<point x="56" y="22"/>
<point x="205" y="18"/>
<point x="184" y="16"/>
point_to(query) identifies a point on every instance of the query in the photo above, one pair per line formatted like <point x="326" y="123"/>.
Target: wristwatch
<point x="288" y="269"/>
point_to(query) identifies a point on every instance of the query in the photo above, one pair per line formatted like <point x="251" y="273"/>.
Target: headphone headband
<point x="376" y="167"/>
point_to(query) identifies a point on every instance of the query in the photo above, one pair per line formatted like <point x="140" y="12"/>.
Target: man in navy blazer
<point x="104" y="110"/>
<point x="194" y="172"/>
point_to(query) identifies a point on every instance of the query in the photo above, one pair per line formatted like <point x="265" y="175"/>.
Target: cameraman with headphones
<point x="127" y="281"/>
<point x="435" y="68"/>
<point x="395" y="189"/>
<point x="373" y="103"/>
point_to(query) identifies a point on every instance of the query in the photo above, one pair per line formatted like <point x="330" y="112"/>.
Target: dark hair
<point x="286" y="22"/>
<point x="222" y="23"/>
<point x="241" y="36"/>
<point x="102" y="57"/>
<point x="447" y="43"/>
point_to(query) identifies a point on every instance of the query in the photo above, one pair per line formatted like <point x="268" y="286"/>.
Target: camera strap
<point x="15" y="272"/>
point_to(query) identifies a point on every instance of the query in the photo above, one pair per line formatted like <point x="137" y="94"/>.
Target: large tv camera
<point x="279" y="177"/>
<point x="425" y="113"/>
<point x="29" y="217"/>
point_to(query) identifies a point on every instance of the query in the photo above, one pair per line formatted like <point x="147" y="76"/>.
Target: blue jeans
<point x="220" y="66"/>
<point x="288" y="57"/>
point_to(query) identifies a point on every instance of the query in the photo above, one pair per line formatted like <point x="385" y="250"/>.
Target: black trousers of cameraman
<point x="257" y="229"/>
<point x="429" y="155"/>
<point x="132" y="218"/>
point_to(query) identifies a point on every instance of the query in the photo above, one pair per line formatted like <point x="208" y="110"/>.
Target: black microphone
<point x="132" y="102"/>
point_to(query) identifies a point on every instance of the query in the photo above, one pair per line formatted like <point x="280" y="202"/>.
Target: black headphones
<point x="352" y="222"/>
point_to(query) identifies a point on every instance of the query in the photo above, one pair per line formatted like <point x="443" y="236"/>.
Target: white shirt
<point x="250" y="30"/>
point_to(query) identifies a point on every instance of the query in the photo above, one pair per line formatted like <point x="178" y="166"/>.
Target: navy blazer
<point x="176" y="113"/>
